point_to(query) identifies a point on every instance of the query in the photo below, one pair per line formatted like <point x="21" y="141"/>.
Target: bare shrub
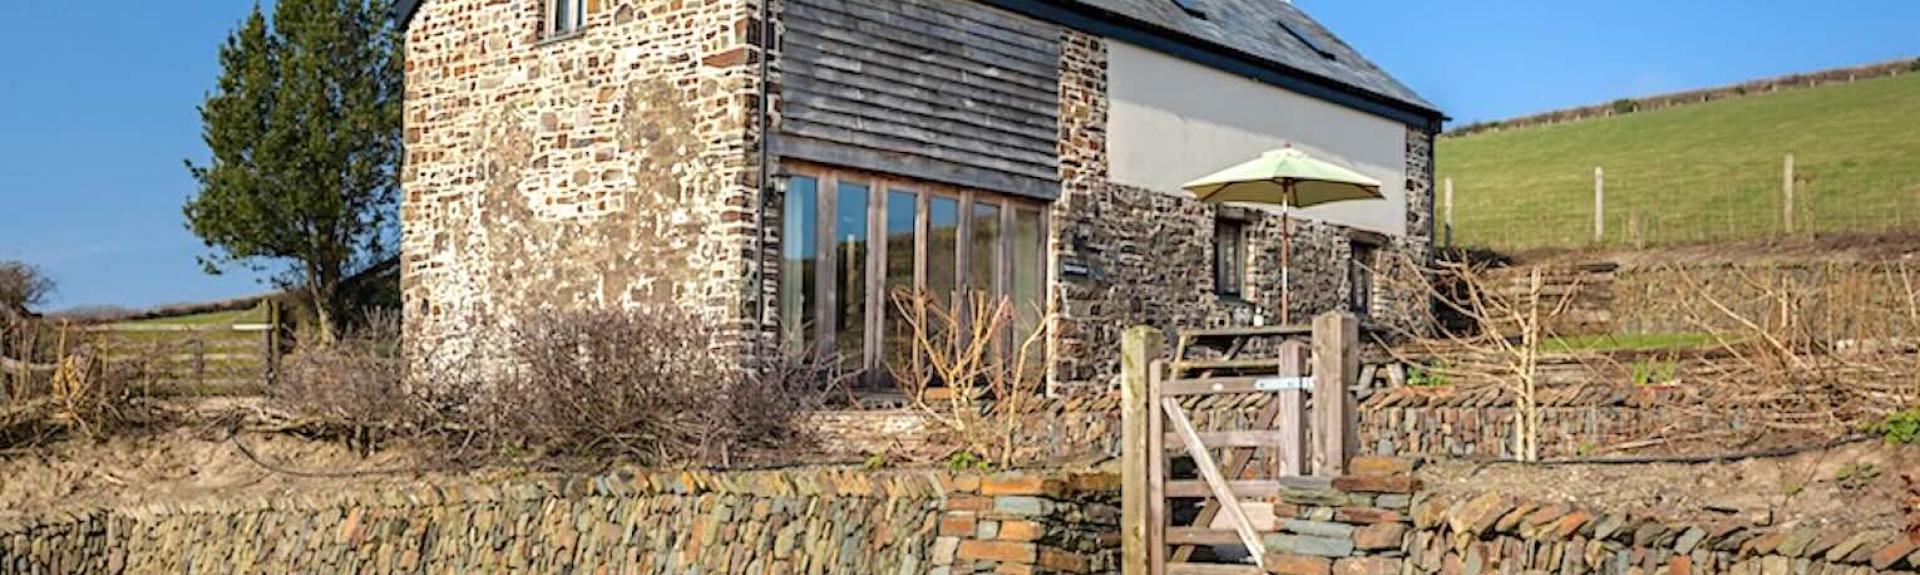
<point x="1789" y="373"/>
<point x="356" y="387"/>
<point x="646" y="384"/>
<point x="976" y="379"/>
<point x="1791" y="358"/>
<point x="63" y="386"/>
<point x="628" y="382"/>
<point x="1490" y="333"/>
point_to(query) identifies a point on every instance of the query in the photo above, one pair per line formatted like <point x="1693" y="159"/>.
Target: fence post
<point x="1449" y="212"/>
<point x="1599" y="206"/>
<point x="1139" y="347"/>
<point x="1294" y="356"/>
<point x="1336" y="367"/>
<point x="1787" y="184"/>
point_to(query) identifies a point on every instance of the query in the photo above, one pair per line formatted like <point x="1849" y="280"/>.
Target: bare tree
<point x="1497" y="338"/>
<point x="22" y="285"/>
<point x="969" y="369"/>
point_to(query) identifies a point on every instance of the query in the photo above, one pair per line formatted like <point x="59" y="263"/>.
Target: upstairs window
<point x="565" y="17"/>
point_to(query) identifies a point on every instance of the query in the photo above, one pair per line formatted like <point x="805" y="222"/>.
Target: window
<point x="800" y="256"/>
<point x="882" y="234"/>
<point x="1309" y="41"/>
<point x="1191" y="8"/>
<point x="1360" y="273"/>
<point x="565" y="17"/>
<point x="1229" y="257"/>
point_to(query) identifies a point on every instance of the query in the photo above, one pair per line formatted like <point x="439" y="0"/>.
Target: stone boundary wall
<point x="1354" y="525"/>
<point x="1478" y="423"/>
<point x="1493" y="533"/>
<point x="1766" y="86"/>
<point x="799" y="521"/>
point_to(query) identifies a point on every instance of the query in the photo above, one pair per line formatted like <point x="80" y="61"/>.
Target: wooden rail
<point x="1156" y="395"/>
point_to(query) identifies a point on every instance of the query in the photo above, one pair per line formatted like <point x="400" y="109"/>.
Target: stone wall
<point x="606" y="169"/>
<point x="804" y="521"/>
<point x="1479" y="423"/>
<point x="1492" y="533"/>
<point x="1354" y="525"/>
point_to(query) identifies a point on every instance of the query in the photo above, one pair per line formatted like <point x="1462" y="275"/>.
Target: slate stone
<point x="1688" y="539"/>
<point x="1317" y="528"/>
<point x="1310" y="545"/>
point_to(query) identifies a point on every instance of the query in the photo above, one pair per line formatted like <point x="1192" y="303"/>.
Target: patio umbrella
<point x="1288" y="178"/>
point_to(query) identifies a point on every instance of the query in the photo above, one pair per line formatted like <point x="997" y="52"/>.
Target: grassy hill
<point x="1697" y="173"/>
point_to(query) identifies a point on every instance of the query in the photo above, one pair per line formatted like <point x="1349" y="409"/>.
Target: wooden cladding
<point x="940" y="90"/>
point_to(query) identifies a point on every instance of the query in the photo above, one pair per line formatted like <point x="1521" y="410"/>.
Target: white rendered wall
<point x="1172" y="121"/>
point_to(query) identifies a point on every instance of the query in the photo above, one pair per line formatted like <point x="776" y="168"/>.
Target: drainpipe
<point x="765" y="120"/>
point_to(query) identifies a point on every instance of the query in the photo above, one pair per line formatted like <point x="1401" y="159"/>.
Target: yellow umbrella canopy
<point x="1286" y="177"/>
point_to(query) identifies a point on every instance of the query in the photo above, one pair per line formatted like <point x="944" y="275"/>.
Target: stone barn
<point x="779" y="166"/>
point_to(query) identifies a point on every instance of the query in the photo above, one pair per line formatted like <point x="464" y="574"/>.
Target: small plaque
<point x="1283" y="383"/>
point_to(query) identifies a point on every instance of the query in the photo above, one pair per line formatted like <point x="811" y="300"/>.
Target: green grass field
<point x="253" y="315"/>
<point x="1697" y="173"/>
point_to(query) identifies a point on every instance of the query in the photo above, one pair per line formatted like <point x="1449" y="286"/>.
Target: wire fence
<point x="1685" y="203"/>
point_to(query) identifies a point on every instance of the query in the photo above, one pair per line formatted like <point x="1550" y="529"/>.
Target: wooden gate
<point x="1209" y="441"/>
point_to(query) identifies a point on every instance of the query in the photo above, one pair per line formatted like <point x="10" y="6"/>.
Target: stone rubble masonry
<point x="773" y="522"/>
<point x="610" y="169"/>
<point x="1494" y="533"/>
<point x="1449" y="422"/>
<point x="842" y="520"/>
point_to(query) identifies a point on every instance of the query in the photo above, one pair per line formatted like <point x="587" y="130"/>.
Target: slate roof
<point x="1253" y="28"/>
<point x="1250" y="29"/>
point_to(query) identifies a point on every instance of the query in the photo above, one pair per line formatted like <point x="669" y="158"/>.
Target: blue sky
<point x="97" y="103"/>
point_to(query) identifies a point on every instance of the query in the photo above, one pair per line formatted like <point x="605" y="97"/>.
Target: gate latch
<point x="1283" y="383"/>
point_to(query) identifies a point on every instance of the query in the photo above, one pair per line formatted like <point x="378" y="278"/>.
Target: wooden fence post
<point x="1786" y="183"/>
<point x="1449" y="211"/>
<point x="1336" y="367"/>
<point x="1599" y="206"/>
<point x="1139" y="347"/>
<point x="1294" y="356"/>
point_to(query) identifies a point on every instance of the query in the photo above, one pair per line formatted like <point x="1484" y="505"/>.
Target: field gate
<point x="1235" y="418"/>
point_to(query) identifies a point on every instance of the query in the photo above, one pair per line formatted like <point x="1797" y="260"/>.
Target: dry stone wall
<point x="1493" y="533"/>
<point x="1479" y="423"/>
<point x="807" y="521"/>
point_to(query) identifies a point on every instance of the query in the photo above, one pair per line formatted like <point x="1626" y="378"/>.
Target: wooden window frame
<point x="880" y="190"/>
<point x="550" y="23"/>
<point x="1360" y="300"/>
<point x="1238" y="227"/>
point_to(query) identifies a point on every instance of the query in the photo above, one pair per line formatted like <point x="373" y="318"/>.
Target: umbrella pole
<point x="1286" y="266"/>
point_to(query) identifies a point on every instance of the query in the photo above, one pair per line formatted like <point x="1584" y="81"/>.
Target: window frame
<point x="550" y="21"/>
<point x="1225" y="228"/>
<point x="1362" y="274"/>
<point x="880" y="190"/>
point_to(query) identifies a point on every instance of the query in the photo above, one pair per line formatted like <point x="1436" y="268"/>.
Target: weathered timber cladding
<point x="935" y="89"/>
